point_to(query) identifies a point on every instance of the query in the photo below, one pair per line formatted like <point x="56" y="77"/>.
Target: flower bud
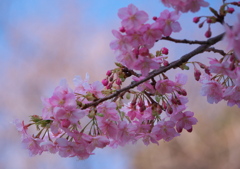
<point x="165" y="51"/>
<point x="196" y="19"/>
<point x="65" y="123"/>
<point x="154" y="18"/>
<point x="109" y="86"/>
<point x="105" y="82"/>
<point x="201" y="25"/>
<point x="230" y="10"/>
<point x="122" y="29"/>
<point x="169" y="110"/>
<point x="144" y="51"/>
<point x="165" y="63"/>
<point x="118" y="81"/>
<point x="109" y="72"/>
<point x="208" y="34"/>
<point x="197" y="74"/>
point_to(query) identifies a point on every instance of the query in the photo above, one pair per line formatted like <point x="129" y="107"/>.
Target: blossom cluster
<point x="185" y="5"/>
<point x="71" y="131"/>
<point x="136" y="37"/>
<point x="222" y="81"/>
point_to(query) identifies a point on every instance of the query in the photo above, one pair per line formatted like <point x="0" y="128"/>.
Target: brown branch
<point x="221" y="52"/>
<point x="185" y="41"/>
<point x="154" y="73"/>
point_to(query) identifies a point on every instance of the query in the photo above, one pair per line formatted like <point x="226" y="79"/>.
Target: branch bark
<point x="163" y="69"/>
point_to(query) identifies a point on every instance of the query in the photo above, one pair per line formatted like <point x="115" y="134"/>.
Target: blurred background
<point x="43" y="41"/>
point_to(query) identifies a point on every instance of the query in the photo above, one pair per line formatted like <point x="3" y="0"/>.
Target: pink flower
<point x="66" y="100"/>
<point x="221" y="68"/>
<point x="122" y="43"/>
<point x="144" y="86"/>
<point x="47" y="112"/>
<point x="164" y="86"/>
<point x="131" y="17"/>
<point x="185" y="5"/>
<point x="33" y="145"/>
<point x="165" y="130"/>
<point x="99" y="142"/>
<point x="184" y="120"/>
<point x="49" y="146"/>
<point x="167" y="22"/>
<point x="126" y="133"/>
<point x="145" y="64"/>
<point x="109" y="128"/>
<point x="232" y="95"/>
<point x="233" y="37"/>
<point x="127" y="59"/>
<point x="73" y="116"/>
<point x="108" y="110"/>
<point x="21" y="127"/>
<point x="213" y="90"/>
<point x="150" y="34"/>
<point x="81" y="85"/>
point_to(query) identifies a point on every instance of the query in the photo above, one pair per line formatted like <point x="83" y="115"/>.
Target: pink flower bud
<point x="118" y="81"/>
<point x="197" y="74"/>
<point x="165" y="63"/>
<point x="109" y="86"/>
<point x="154" y="18"/>
<point x="164" y="51"/>
<point x="208" y="34"/>
<point x="196" y="19"/>
<point x="169" y="110"/>
<point x="232" y="66"/>
<point x="207" y="71"/>
<point x="122" y="29"/>
<point x="230" y="10"/>
<point x="209" y="20"/>
<point x="144" y="51"/>
<point x="201" y="25"/>
<point x="109" y="72"/>
<point x="105" y="82"/>
<point x="65" y="123"/>
<point x="136" y="52"/>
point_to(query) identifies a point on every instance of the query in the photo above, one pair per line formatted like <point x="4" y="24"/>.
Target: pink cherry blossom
<point x="223" y="68"/>
<point x="213" y="90"/>
<point x="150" y="34"/>
<point x="21" y="127"/>
<point x="108" y="110"/>
<point x="184" y="120"/>
<point x="109" y="128"/>
<point x="164" y="86"/>
<point x="185" y="5"/>
<point x="81" y="85"/>
<point x="233" y="37"/>
<point x="232" y="95"/>
<point x="131" y="17"/>
<point x="167" y="22"/>
<point x="127" y="59"/>
<point x="165" y="130"/>
<point x="126" y="133"/>
<point x="33" y="145"/>
<point x="122" y="43"/>
<point x="145" y="64"/>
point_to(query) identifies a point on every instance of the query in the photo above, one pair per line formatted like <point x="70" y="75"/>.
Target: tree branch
<point x="163" y="69"/>
<point x="185" y="41"/>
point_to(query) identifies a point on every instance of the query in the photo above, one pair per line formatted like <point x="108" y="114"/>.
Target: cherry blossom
<point x="132" y="17"/>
